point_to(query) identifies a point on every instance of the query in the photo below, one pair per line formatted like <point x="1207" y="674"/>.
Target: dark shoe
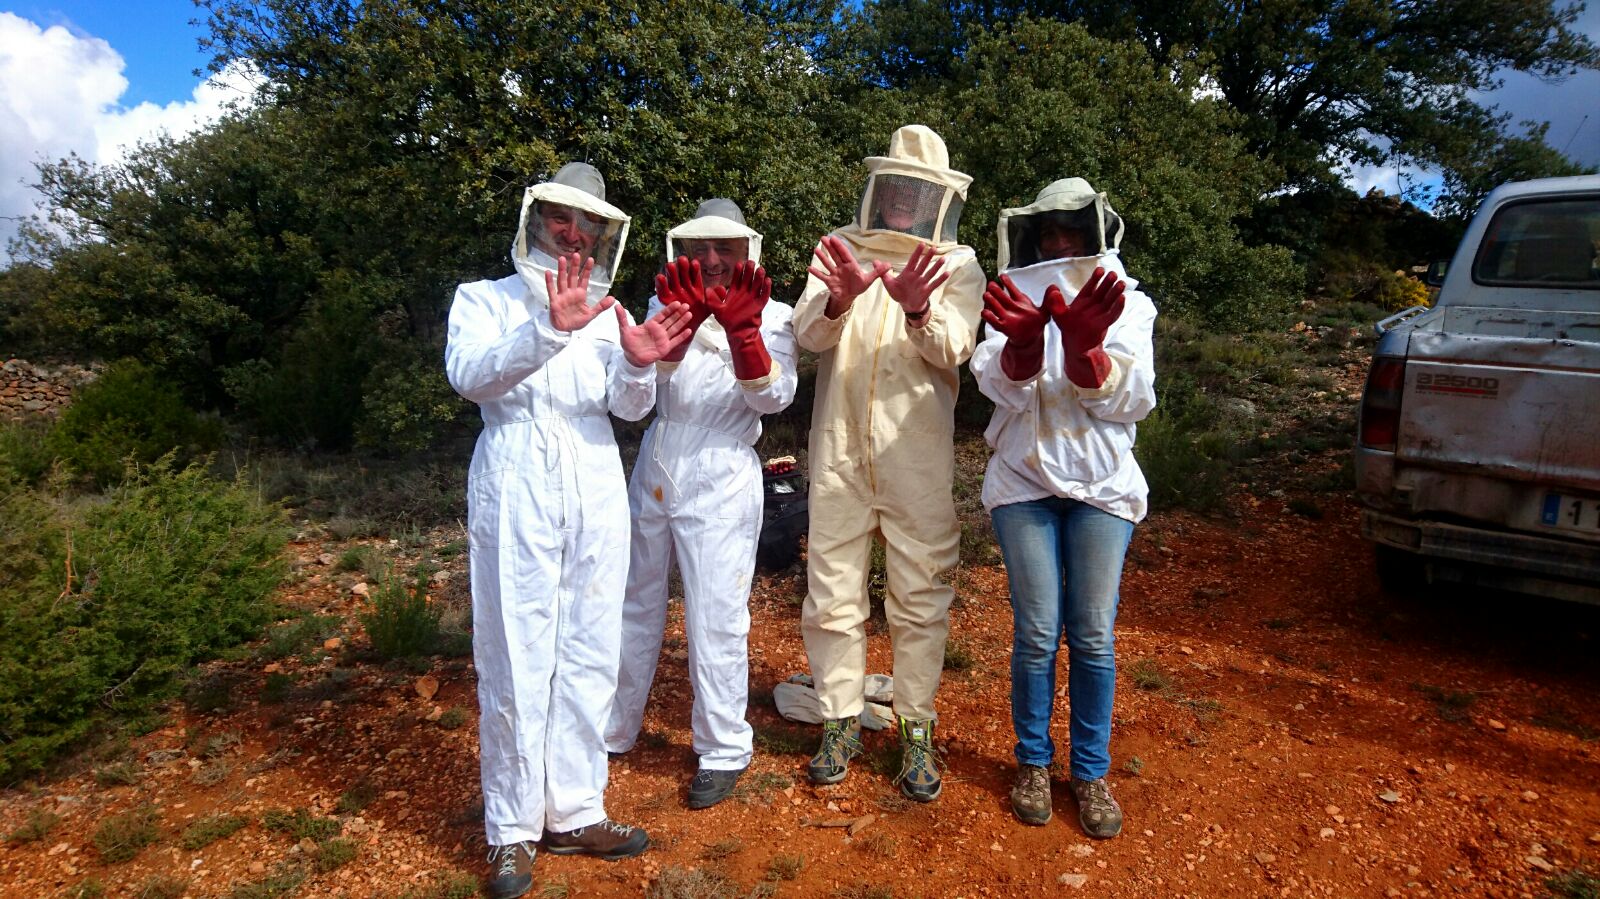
<point x="919" y="771"/>
<point x="510" y="870"/>
<point x="1099" y="814"/>
<point x="841" y="742"/>
<point x="608" y="840"/>
<point x="1030" y="795"/>
<point x="711" y="787"/>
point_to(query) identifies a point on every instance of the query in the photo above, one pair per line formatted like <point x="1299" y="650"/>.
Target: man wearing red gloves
<point x="696" y="491"/>
<point x="1063" y="486"/>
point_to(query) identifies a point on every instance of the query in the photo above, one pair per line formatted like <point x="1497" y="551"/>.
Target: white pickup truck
<point x="1478" y="455"/>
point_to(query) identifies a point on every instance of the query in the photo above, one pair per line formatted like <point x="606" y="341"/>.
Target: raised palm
<point x="913" y="288"/>
<point x="568" y="289"/>
<point x="842" y="275"/>
<point x="655" y="339"/>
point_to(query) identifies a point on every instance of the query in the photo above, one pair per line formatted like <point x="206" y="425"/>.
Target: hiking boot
<point x="1030" y="795"/>
<point x="841" y="742"/>
<point x="1099" y="814"/>
<point x="608" y="840"/>
<point x="711" y="787"/>
<point x="919" y="772"/>
<point x="510" y="870"/>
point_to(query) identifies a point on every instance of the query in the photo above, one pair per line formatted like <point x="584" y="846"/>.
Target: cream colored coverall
<point x="882" y="458"/>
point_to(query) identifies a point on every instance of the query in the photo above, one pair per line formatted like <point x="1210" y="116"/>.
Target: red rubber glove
<point x="1011" y="313"/>
<point x="738" y="307"/>
<point x="1084" y="325"/>
<point x="680" y="282"/>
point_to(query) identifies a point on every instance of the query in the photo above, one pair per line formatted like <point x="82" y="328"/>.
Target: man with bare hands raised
<point x="892" y="305"/>
<point x="546" y="355"/>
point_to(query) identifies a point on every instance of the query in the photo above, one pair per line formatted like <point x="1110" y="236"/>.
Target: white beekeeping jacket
<point x="1050" y="436"/>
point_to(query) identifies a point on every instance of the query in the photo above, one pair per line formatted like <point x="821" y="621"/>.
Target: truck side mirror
<point x="1436" y="272"/>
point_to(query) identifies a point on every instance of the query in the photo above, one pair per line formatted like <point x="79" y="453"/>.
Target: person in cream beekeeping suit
<point x="1062" y="485"/>
<point x="547" y="356"/>
<point x="893" y="307"/>
<point x="696" y="491"/>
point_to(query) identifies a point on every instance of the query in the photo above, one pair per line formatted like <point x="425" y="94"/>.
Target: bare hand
<point x="568" y="289"/>
<point x="842" y="274"/>
<point x="654" y="340"/>
<point x="914" y="286"/>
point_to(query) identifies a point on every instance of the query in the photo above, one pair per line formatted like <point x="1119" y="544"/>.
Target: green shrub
<point x="333" y="854"/>
<point x="38" y="826"/>
<point x="301" y="824"/>
<point x="120" y="837"/>
<point x="402" y="622"/>
<point x="161" y="886"/>
<point x="107" y="604"/>
<point x="128" y="414"/>
<point x="25" y="455"/>
<point x="206" y="831"/>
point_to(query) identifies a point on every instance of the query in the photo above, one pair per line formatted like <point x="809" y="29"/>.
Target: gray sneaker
<point x="919" y="771"/>
<point x="711" y="787"/>
<point x="841" y="742"/>
<point x="1030" y="795"/>
<point x="510" y="870"/>
<point x="1099" y="814"/>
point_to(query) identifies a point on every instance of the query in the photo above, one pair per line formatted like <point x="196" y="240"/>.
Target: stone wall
<point x="28" y="388"/>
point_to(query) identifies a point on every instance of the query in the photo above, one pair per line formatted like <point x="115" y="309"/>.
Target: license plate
<point x="1571" y="513"/>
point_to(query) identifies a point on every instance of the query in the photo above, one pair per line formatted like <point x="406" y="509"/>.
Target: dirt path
<point x="1282" y="727"/>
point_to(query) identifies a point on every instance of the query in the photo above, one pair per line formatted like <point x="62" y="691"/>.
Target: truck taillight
<point x="1380" y="403"/>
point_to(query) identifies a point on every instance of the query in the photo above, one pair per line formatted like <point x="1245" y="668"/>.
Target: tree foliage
<point x="1317" y="83"/>
<point x="293" y="264"/>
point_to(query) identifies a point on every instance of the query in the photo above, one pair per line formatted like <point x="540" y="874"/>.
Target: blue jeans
<point x="1064" y="560"/>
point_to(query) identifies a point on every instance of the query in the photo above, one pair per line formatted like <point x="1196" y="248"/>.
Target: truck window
<point x="1542" y="243"/>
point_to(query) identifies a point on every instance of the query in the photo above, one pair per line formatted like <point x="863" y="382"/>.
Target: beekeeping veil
<point x="1069" y="203"/>
<point x="718" y="219"/>
<point x="912" y="196"/>
<point x="715" y="220"/>
<point x="565" y="214"/>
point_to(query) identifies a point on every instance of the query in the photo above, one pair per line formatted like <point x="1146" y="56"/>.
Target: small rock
<point x="1333" y="810"/>
<point x="996" y="847"/>
<point x="1595" y="837"/>
<point x="272" y="668"/>
<point x="1389" y="796"/>
<point x="1186" y="650"/>
<point x="860" y="824"/>
<point x="439" y="577"/>
<point x="325" y="559"/>
<point x="1449" y="767"/>
<point x="679" y="655"/>
<point x="1530" y="796"/>
<point x="332" y="643"/>
<point x="1496" y="725"/>
<point x="434" y="715"/>
<point x="258" y="867"/>
<point x="58" y="848"/>
<point x="1325" y="833"/>
<point x="1537" y="862"/>
<point x="1413" y="871"/>
<point x="1081" y="850"/>
<point x="360" y="589"/>
<point x="306" y="844"/>
<point x="1076" y="881"/>
<point x="426" y="686"/>
<point x="1265" y="858"/>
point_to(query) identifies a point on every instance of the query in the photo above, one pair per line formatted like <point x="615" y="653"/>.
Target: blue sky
<point x="154" y="37"/>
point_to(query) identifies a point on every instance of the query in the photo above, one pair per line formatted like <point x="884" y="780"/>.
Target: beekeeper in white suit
<point x="892" y="328"/>
<point x="1069" y="363"/>
<point x="696" y="490"/>
<point x="546" y="356"/>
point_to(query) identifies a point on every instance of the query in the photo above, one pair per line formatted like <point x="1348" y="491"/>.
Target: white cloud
<point x="58" y="95"/>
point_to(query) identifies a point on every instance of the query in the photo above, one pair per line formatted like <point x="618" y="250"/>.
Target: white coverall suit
<point x="696" y="495"/>
<point x="882" y="451"/>
<point x="547" y="525"/>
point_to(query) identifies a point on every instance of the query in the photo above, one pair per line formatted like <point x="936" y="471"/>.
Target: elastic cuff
<point x="637" y="372"/>
<point x="762" y="382"/>
<point x="665" y="368"/>
<point x="1108" y="386"/>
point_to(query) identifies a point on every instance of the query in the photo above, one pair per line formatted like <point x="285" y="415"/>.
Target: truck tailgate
<point x="1519" y="408"/>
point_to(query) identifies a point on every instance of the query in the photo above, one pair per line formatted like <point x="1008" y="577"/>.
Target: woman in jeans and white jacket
<point x="1062" y="486"/>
